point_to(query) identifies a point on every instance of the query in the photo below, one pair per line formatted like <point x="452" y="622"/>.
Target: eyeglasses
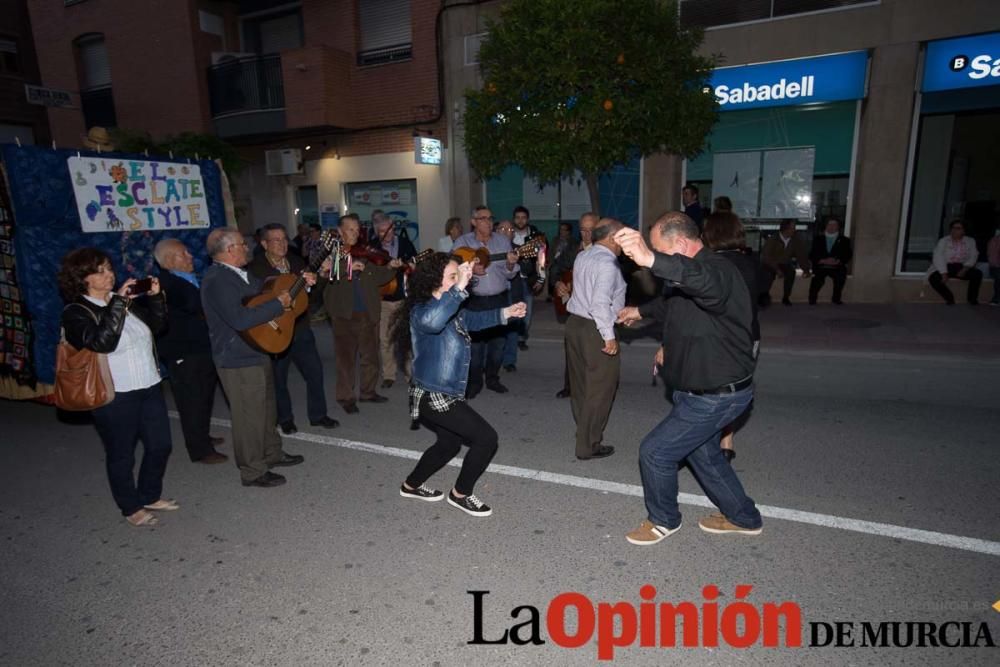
<point x="484" y="217"/>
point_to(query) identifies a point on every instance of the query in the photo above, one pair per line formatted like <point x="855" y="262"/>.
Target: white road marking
<point x="813" y="518"/>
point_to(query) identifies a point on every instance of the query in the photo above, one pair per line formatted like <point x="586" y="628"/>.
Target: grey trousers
<point x="256" y="442"/>
<point x="593" y="382"/>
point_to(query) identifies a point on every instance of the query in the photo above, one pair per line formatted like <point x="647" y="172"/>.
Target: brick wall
<point x="14" y="107"/>
<point x="157" y="56"/>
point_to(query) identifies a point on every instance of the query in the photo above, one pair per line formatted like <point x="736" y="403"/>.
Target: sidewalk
<point x="969" y="333"/>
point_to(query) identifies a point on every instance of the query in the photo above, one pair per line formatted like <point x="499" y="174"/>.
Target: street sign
<point x="47" y="97"/>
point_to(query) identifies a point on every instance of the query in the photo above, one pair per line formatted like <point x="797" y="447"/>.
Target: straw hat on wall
<point x="98" y="139"/>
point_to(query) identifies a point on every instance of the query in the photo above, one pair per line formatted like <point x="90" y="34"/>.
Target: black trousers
<point x="122" y="423"/>
<point x="192" y="380"/>
<point x="821" y="273"/>
<point x="787" y="271"/>
<point x="487" y="345"/>
<point x="973" y="275"/>
<point x="460" y="425"/>
<point x="303" y="353"/>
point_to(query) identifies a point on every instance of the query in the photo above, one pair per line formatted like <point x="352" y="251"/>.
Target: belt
<point x="730" y="388"/>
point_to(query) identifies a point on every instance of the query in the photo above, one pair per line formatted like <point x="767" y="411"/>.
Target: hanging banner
<point x="115" y="195"/>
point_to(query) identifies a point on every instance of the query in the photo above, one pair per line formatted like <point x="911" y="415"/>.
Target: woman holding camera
<point x="432" y="323"/>
<point x="121" y="326"/>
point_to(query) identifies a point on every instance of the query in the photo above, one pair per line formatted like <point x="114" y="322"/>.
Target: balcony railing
<point x="98" y="107"/>
<point x="710" y="13"/>
<point x="246" y="84"/>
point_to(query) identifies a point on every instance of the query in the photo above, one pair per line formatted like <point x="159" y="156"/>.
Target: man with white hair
<point x="245" y="372"/>
<point x="186" y="350"/>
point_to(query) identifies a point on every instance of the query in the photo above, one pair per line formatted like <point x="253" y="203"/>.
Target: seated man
<point x="831" y="251"/>
<point x="781" y="253"/>
<point x="955" y="256"/>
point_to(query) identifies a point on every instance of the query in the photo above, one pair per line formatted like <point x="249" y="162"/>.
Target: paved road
<point x="334" y="568"/>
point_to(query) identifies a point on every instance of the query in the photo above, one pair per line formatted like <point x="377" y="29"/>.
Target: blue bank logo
<point x="791" y="82"/>
<point x="965" y="62"/>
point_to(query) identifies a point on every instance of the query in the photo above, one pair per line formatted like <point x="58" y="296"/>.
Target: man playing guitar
<point x="401" y="248"/>
<point x="276" y="260"/>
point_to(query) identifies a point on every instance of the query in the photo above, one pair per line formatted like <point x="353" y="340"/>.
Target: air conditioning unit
<point x="223" y="57"/>
<point x="283" y="162"/>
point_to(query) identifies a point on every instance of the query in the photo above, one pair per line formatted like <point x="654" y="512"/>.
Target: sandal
<point x="163" y="505"/>
<point x="142" y="518"/>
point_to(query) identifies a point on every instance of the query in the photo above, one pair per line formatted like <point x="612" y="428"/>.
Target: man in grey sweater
<point x="245" y="373"/>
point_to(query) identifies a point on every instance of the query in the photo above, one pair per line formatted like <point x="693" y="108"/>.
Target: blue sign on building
<point x="964" y="62"/>
<point x="791" y="82"/>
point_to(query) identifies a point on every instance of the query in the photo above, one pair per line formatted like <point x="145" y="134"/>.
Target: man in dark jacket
<point x="397" y="246"/>
<point x="355" y="308"/>
<point x="276" y="261"/>
<point x="245" y="372"/>
<point x="186" y="351"/>
<point x="532" y="281"/>
<point x="831" y="251"/>
<point x="708" y="360"/>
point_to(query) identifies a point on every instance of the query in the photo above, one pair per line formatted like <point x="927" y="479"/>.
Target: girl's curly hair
<point x="426" y="278"/>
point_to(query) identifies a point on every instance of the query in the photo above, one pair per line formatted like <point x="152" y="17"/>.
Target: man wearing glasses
<point x="245" y="373"/>
<point x="488" y="290"/>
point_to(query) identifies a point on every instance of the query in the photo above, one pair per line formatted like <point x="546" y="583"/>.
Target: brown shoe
<point x="214" y="457"/>
<point x="649" y="533"/>
<point x="719" y="525"/>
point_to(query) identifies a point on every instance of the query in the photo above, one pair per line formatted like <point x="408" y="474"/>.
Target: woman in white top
<point x="122" y="326"/>
<point x="955" y="256"/>
<point x="452" y="230"/>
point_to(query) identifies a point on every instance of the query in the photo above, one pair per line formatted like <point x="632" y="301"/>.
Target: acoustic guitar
<point x="389" y="289"/>
<point x="274" y="336"/>
<point x="526" y="251"/>
<point x="560" y="304"/>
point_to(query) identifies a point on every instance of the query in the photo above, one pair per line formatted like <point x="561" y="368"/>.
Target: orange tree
<point x="584" y="84"/>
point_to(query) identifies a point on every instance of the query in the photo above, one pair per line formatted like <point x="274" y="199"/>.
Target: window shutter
<point x="385" y="23"/>
<point x="96" y="68"/>
<point x="278" y="34"/>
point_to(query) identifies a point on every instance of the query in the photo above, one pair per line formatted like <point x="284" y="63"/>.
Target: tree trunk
<point x="595" y="198"/>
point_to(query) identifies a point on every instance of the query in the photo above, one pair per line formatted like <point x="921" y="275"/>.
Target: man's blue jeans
<point x="692" y="431"/>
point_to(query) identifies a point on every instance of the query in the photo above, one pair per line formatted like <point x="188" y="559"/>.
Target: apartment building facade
<point x="325" y="99"/>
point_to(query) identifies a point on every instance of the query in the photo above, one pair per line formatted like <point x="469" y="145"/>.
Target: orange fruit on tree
<point x="608" y="105"/>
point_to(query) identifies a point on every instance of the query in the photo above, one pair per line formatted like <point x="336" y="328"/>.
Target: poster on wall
<point x="786" y="188"/>
<point x="397" y="199"/>
<point x="396" y="196"/>
<point x="737" y="176"/>
<point x="123" y="195"/>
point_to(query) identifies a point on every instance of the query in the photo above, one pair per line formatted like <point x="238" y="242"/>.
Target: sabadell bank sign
<point x="791" y="82"/>
<point x="964" y="62"/>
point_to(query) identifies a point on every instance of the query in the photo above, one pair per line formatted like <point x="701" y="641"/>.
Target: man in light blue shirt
<point x="489" y="290"/>
<point x="591" y="346"/>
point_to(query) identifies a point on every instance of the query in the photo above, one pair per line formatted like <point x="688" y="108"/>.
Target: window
<point x="273" y="33"/>
<point x="307" y="204"/>
<point x="710" y="13"/>
<point x="386" y="34"/>
<point x="472" y="44"/>
<point x="9" y="62"/>
<point x="96" y="98"/>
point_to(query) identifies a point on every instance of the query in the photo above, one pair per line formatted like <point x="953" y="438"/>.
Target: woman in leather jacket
<point x="433" y="325"/>
<point x="122" y="326"/>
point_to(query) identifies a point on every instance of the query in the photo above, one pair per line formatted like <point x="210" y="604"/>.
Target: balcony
<point x="247" y="96"/>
